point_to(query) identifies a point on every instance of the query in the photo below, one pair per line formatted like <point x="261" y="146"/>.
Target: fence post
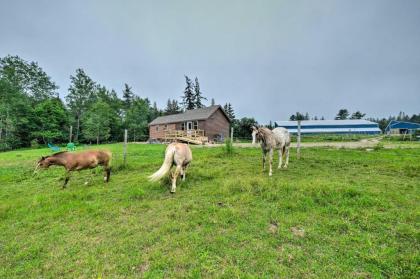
<point x="231" y="135"/>
<point x="298" y="140"/>
<point x="71" y="133"/>
<point x="125" y="147"/>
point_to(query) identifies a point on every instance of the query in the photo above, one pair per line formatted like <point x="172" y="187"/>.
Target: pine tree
<point x="172" y="107"/>
<point x="342" y="114"/>
<point x="188" y="100"/>
<point x="213" y="103"/>
<point x="175" y="107"/>
<point x="357" y="115"/>
<point x="229" y="111"/>
<point x="81" y="93"/>
<point x="300" y="116"/>
<point x="198" y="95"/>
<point x="128" y="96"/>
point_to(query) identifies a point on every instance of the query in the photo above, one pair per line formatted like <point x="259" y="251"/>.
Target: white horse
<point x="178" y="154"/>
<point x="278" y="138"/>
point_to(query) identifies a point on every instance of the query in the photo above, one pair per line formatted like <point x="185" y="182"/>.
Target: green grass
<point x="332" y="214"/>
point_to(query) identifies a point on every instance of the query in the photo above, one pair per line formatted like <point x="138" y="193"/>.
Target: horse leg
<point x="280" y="158"/>
<point x="287" y="158"/>
<point x="174" y="177"/>
<point x="183" y="172"/>
<point x="271" y="162"/>
<point x="107" y="173"/>
<point x="67" y="178"/>
<point x="264" y="157"/>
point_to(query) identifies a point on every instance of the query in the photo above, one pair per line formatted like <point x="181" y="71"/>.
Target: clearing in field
<point x="335" y="213"/>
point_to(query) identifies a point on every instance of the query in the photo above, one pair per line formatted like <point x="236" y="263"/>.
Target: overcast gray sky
<point x="268" y="58"/>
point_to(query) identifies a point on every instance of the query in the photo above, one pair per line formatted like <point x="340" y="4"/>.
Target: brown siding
<point x="215" y="125"/>
<point x="160" y="134"/>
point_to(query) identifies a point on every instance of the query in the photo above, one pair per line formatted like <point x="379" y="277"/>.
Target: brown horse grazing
<point x="178" y="154"/>
<point x="78" y="161"/>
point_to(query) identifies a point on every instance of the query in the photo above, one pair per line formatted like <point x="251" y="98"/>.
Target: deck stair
<point x="192" y="136"/>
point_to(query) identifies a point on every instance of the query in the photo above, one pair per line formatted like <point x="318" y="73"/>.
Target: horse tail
<point x="166" y="166"/>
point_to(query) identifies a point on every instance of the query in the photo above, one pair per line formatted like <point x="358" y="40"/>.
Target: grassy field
<point x="332" y="214"/>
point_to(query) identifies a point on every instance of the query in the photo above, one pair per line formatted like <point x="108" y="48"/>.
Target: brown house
<point x="210" y="122"/>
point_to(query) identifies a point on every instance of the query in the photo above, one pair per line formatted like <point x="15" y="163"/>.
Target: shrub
<point x="228" y="146"/>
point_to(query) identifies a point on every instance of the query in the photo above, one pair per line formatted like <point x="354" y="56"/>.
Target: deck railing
<point x="192" y="135"/>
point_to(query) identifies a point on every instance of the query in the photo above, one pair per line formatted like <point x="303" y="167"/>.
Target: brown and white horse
<point x="178" y="154"/>
<point x="78" y="161"/>
<point x="278" y="138"/>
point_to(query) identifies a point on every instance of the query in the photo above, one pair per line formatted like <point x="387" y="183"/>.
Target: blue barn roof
<point x="395" y="124"/>
<point x="357" y="126"/>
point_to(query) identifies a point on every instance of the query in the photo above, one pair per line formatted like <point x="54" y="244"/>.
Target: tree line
<point x="32" y="113"/>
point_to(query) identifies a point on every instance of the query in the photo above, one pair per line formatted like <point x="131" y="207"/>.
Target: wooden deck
<point x="192" y="136"/>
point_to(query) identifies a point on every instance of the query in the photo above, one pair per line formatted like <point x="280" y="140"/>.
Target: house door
<point x="189" y="125"/>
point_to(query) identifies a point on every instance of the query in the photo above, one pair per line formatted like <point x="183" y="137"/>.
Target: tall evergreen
<point x="172" y="107"/>
<point x="128" y="96"/>
<point x="213" y="102"/>
<point x="342" y="114"/>
<point x="81" y="93"/>
<point x="188" y="100"/>
<point x="228" y="108"/>
<point x="357" y="115"/>
<point x="198" y="95"/>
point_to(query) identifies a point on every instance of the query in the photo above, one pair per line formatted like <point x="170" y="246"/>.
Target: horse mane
<point x="265" y="134"/>
<point x="57" y="154"/>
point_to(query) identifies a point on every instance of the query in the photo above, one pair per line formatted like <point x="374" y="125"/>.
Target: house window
<point x="157" y="127"/>
<point x="195" y="125"/>
<point x="189" y="126"/>
<point x="165" y="128"/>
<point x="183" y="126"/>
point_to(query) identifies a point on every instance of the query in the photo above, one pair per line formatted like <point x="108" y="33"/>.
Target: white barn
<point x="356" y="126"/>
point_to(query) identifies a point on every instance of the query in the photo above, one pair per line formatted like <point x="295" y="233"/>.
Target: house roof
<point x="194" y="114"/>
